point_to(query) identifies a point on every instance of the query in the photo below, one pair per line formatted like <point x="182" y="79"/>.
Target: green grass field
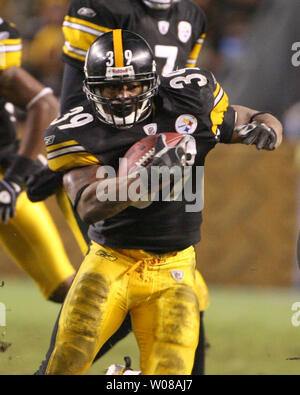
<point x="249" y="331"/>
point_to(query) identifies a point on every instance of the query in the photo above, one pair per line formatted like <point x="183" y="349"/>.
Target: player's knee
<point x="85" y="306"/>
<point x="181" y="318"/>
<point x="58" y="296"/>
<point x="176" y="334"/>
<point x="170" y="361"/>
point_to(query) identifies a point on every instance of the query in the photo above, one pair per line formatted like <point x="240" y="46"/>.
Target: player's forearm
<point x="24" y="91"/>
<point x="244" y="115"/>
<point x="104" y="199"/>
<point x="39" y="116"/>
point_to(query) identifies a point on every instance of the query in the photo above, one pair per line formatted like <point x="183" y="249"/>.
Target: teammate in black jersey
<point x="151" y="270"/>
<point x="175" y="31"/>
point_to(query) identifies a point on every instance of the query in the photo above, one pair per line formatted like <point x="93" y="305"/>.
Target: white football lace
<point x="145" y="158"/>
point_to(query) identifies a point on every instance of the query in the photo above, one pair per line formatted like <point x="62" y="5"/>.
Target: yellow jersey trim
<point x="10" y="53"/>
<point x="71" y="161"/>
<point x="61" y="145"/>
<point x="221" y="104"/>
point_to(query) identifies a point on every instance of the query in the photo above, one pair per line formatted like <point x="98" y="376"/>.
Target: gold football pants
<point x="158" y="290"/>
<point x="33" y="242"/>
<point x="201" y="291"/>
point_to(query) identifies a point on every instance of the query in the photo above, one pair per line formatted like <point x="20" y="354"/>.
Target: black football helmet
<point x="160" y="4"/>
<point x="120" y="57"/>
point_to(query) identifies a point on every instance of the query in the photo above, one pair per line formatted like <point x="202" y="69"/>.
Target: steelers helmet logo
<point x="186" y="124"/>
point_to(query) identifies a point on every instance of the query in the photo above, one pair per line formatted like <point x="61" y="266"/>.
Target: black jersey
<point x="10" y="55"/>
<point x="175" y="35"/>
<point x="189" y="101"/>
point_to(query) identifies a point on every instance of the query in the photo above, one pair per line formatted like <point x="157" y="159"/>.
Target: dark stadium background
<point x="251" y="213"/>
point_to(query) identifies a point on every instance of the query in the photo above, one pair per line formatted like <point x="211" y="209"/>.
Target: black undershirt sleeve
<point x="227" y="126"/>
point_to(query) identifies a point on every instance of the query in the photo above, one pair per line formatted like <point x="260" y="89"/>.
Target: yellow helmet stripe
<point x="118" y="47"/>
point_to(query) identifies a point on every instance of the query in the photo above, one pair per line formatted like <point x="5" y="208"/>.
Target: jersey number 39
<point x="78" y="119"/>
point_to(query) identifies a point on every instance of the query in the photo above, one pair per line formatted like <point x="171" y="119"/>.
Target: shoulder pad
<point x="195" y="91"/>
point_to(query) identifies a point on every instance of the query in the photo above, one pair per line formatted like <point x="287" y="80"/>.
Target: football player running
<point x="135" y="252"/>
<point x="27" y="231"/>
<point x="175" y="30"/>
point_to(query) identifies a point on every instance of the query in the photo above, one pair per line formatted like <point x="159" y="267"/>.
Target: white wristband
<point x="38" y="96"/>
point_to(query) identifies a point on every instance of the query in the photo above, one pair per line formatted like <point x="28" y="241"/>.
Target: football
<point x="141" y="153"/>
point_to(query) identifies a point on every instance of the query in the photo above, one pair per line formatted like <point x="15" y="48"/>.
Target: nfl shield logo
<point x="184" y="31"/>
<point x="163" y="27"/>
<point x="177" y="275"/>
<point x="150" y="129"/>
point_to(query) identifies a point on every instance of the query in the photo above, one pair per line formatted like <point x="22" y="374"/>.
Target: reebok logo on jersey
<point x="49" y="139"/>
<point x="85" y="11"/>
<point x="106" y="255"/>
<point x="177" y="274"/>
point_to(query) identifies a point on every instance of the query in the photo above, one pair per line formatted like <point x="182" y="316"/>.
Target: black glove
<point x="259" y="134"/>
<point x="43" y="184"/>
<point x="11" y="185"/>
